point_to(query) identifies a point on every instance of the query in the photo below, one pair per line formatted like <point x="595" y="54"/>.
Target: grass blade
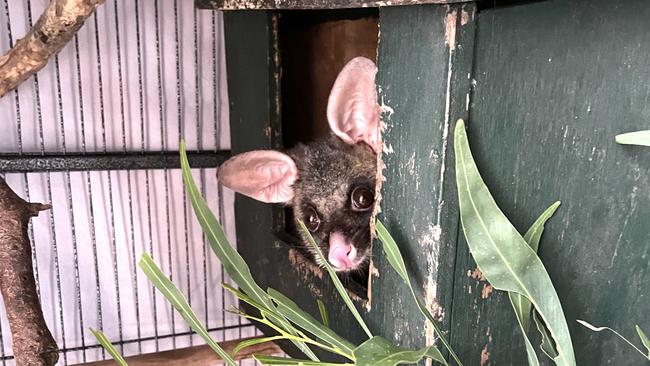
<point x="397" y="262"/>
<point x="378" y="351"/>
<point x="232" y="262"/>
<point x="644" y="339"/>
<point x="600" y="329"/>
<point x="178" y="301"/>
<point x="520" y="304"/>
<point x="547" y="346"/>
<point x="336" y="280"/>
<point x="291" y="311"/>
<point x="323" y="313"/>
<point x="634" y="138"/>
<point x="274" y="360"/>
<point x="253" y="341"/>
<point x="108" y="346"/>
<point x="504" y="257"/>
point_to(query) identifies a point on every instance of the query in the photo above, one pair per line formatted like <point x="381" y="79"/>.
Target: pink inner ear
<point x="352" y="109"/>
<point x="264" y="175"/>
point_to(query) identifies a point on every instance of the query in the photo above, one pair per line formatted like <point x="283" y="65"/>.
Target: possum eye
<point x="362" y="199"/>
<point x="312" y="221"/>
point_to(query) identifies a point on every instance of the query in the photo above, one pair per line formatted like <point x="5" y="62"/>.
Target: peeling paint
<point x="464" y="17"/>
<point x="487" y="290"/>
<point x="485" y="356"/>
<point x="476" y="274"/>
<point x="450" y="29"/>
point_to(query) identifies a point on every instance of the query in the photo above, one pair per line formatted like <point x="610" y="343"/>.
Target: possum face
<point x="330" y="183"/>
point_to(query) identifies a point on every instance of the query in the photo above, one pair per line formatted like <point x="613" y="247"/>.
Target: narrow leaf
<point x="232" y="262"/>
<point x="397" y="262"/>
<point x="274" y="360"/>
<point x="520" y="304"/>
<point x="323" y="313"/>
<point x="336" y="280"/>
<point x="504" y="257"/>
<point x="253" y="341"/>
<point x="600" y="329"/>
<point x="291" y="311"/>
<point x="178" y="301"/>
<point x="644" y="339"/>
<point x="634" y="138"/>
<point x="108" y="346"/>
<point x="547" y="346"/>
<point x="377" y="351"/>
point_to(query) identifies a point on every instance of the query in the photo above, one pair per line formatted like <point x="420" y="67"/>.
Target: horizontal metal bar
<point x="15" y="163"/>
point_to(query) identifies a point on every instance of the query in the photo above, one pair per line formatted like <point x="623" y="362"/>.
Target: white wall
<point x="109" y="219"/>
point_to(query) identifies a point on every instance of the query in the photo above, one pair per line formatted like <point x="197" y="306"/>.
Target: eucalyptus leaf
<point x="634" y="138"/>
<point x="397" y="262"/>
<point x="644" y="339"/>
<point x="178" y="301"/>
<point x="291" y="311"/>
<point x="520" y="304"/>
<point x="335" y="280"/>
<point x="323" y="313"/>
<point x="600" y="329"/>
<point x="547" y="346"/>
<point x="108" y="346"/>
<point x="378" y="351"/>
<point x="232" y="262"/>
<point x="502" y="254"/>
<point x="274" y="360"/>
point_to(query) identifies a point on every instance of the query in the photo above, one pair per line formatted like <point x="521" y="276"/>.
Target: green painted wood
<point x="555" y="82"/>
<point x="425" y="55"/>
<point x="253" y="87"/>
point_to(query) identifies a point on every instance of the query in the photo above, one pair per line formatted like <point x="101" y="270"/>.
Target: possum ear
<point x="264" y="175"/>
<point x="352" y="110"/>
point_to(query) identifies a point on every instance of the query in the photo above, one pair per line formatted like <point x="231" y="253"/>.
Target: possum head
<point x="329" y="183"/>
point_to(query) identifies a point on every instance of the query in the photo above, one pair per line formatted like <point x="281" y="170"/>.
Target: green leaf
<point x="377" y="351"/>
<point x="253" y="341"/>
<point x="644" y="339"/>
<point x="335" y="280"/>
<point x="634" y="138"/>
<point x="178" y="301"/>
<point x="548" y="347"/>
<point x="323" y="313"/>
<point x="274" y="360"/>
<point x="108" y="346"/>
<point x="291" y="311"/>
<point x="504" y="257"/>
<point x="397" y="262"/>
<point x="232" y="262"/>
<point x="520" y="304"/>
<point x="600" y="329"/>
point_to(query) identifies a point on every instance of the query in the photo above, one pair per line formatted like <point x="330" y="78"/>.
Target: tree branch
<point x="54" y="29"/>
<point x="32" y="341"/>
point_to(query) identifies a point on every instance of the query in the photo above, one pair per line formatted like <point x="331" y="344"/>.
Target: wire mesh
<point x="109" y="93"/>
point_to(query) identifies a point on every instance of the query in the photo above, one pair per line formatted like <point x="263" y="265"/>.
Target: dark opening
<point x="314" y="47"/>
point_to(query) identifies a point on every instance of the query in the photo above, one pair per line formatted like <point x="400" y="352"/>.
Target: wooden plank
<point x="555" y="82"/>
<point x="424" y="58"/>
<point x="310" y="4"/>
<point x="194" y="356"/>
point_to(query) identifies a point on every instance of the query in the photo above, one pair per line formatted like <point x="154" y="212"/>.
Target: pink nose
<point x="342" y="254"/>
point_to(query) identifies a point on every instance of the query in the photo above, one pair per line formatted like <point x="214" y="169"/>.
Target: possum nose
<point x="342" y="254"/>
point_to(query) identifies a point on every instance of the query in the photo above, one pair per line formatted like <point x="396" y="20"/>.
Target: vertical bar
<point x="93" y="236"/>
<point x="141" y="104"/>
<point x="110" y="185"/>
<point x="181" y="134"/>
<point x="166" y="172"/>
<point x="75" y="254"/>
<point x="49" y="191"/>
<point x="128" y="173"/>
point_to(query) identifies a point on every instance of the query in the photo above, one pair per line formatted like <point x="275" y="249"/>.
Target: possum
<point x="329" y="183"/>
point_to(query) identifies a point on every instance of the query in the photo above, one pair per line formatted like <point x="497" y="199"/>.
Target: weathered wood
<point x="194" y="356"/>
<point x="423" y="67"/>
<point x="310" y="4"/>
<point x="555" y="82"/>
<point x="32" y="341"/>
<point x="55" y="27"/>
